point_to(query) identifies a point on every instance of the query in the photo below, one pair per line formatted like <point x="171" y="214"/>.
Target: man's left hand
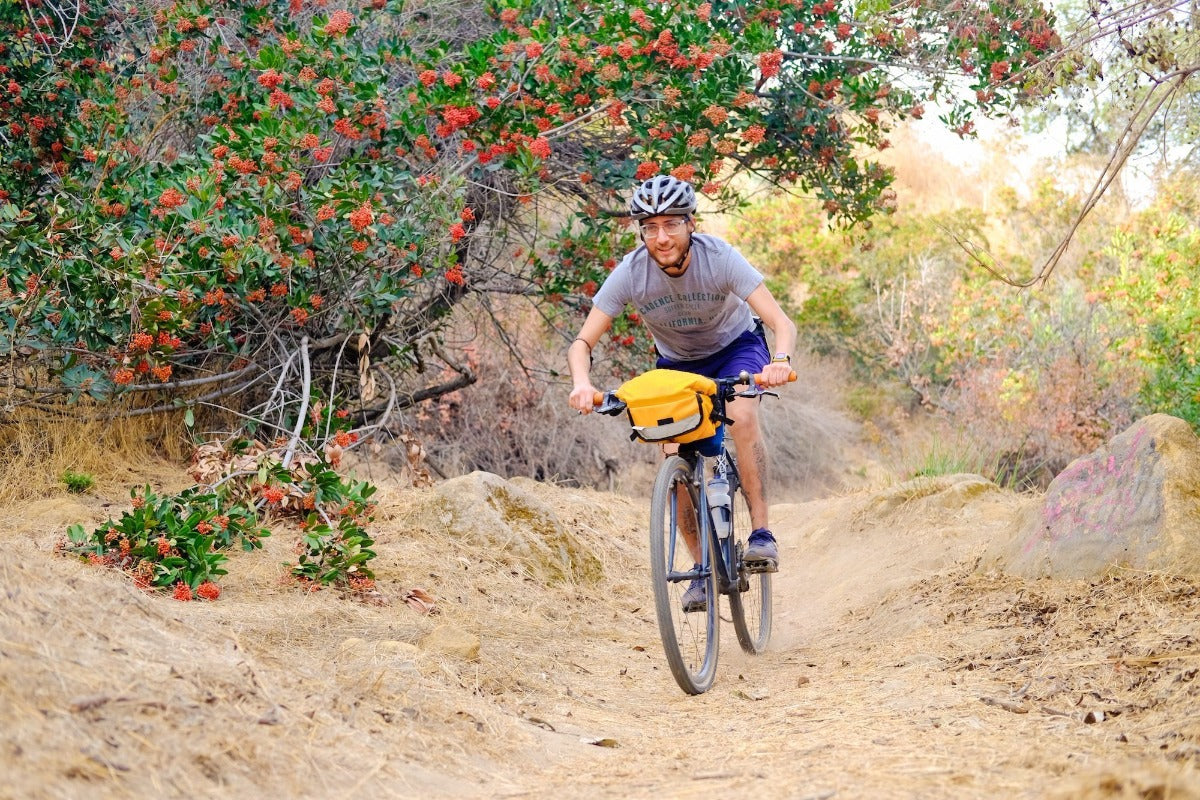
<point x="776" y="373"/>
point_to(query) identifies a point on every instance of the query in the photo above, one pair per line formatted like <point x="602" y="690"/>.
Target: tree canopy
<point x="1125" y="84"/>
<point x="206" y="198"/>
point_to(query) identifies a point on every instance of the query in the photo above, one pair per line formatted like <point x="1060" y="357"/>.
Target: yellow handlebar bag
<point x="667" y="405"/>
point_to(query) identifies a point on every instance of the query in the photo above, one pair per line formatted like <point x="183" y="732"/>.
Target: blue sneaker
<point x="696" y="596"/>
<point x="762" y="553"/>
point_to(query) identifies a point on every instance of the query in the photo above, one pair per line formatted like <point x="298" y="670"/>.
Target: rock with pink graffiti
<point x="1132" y="504"/>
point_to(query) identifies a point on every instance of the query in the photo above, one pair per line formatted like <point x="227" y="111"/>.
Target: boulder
<point x="451" y="641"/>
<point x="487" y="512"/>
<point x="1134" y="503"/>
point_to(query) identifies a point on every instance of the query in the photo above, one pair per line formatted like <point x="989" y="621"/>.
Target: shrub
<point x="180" y="541"/>
<point x="331" y="511"/>
<point x="191" y="193"/>
<point x="77" y="482"/>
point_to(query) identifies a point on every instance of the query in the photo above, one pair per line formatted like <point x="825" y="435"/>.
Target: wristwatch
<point x="781" y="358"/>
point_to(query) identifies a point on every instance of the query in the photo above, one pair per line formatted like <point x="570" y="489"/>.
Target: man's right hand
<point x="583" y="398"/>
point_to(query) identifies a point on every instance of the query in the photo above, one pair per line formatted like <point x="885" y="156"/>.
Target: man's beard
<point x="678" y="265"/>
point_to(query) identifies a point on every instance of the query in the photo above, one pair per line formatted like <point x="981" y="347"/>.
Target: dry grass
<point x="529" y="430"/>
<point x="515" y="420"/>
<point x="38" y="448"/>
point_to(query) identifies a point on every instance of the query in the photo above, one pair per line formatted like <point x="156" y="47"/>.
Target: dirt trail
<point x="898" y="669"/>
<point x="864" y="692"/>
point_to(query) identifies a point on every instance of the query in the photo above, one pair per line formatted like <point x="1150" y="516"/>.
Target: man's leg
<point x="752" y="456"/>
<point x="762" y="552"/>
<point x="687" y="523"/>
<point x="687" y="514"/>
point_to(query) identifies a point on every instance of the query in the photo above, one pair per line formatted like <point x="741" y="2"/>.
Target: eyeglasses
<point x="671" y="226"/>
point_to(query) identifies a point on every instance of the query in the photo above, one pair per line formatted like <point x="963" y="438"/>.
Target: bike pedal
<point x="760" y="566"/>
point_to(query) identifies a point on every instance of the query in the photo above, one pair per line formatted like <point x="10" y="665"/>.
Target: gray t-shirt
<point x="694" y="315"/>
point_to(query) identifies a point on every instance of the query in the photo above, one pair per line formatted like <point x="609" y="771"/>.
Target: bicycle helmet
<point x="662" y="195"/>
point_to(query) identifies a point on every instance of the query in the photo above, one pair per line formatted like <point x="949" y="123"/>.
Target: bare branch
<point x="302" y="414"/>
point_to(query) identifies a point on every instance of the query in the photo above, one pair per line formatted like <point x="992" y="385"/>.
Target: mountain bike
<point x="691" y="638"/>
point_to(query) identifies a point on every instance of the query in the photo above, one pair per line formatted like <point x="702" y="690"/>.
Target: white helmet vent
<point x="662" y="195"/>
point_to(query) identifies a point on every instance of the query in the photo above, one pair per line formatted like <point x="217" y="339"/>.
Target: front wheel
<point x="750" y="605"/>
<point x="689" y="637"/>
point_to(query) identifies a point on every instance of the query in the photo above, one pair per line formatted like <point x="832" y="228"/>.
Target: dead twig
<point x="1007" y="705"/>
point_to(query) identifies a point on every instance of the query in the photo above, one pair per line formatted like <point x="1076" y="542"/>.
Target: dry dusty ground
<point x="901" y="666"/>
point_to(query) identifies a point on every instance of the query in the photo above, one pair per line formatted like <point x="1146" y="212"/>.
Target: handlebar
<point x="607" y="402"/>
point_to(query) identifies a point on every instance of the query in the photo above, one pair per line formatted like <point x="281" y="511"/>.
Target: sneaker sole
<point x="761" y="565"/>
<point x="692" y="608"/>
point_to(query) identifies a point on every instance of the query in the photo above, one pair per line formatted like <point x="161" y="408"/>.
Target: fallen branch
<point x="1007" y="705"/>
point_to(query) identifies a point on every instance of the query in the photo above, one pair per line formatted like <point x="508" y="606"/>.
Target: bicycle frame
<point x="726" y="560"/>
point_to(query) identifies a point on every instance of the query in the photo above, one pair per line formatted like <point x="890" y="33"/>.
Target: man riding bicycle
<point x="699" y="298"/>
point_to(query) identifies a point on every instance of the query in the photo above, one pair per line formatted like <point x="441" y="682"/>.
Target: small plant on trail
<point x="1016" y="470"/>
<point x="77" y="482"/>
<point x="331" y="511"/>
<point x="178" y="541"/>
<point x="939" y="459"/>
<point x="336" y="547"/>
<point x="173" y="541"/>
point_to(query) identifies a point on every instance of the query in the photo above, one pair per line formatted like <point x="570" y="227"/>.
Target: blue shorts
<point x="747" y="352"/>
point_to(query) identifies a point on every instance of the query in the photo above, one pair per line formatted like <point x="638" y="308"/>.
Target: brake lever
<point x="756" y="392"/>
<point x="610" y="405"/>
<point x="752" y="388"/>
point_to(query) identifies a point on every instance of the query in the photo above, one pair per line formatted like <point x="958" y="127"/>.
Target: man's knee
<point x="745" y="421"/>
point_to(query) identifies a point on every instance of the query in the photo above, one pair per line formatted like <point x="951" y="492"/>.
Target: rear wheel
<point x="689" y="639"/>
<point x="750" y="606"/>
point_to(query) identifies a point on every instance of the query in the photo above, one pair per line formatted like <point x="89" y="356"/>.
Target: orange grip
<point x="597" y="398"/>
<point x="758" y="378"/>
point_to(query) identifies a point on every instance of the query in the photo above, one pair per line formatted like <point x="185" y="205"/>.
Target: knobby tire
<point x="690" y="640"/>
